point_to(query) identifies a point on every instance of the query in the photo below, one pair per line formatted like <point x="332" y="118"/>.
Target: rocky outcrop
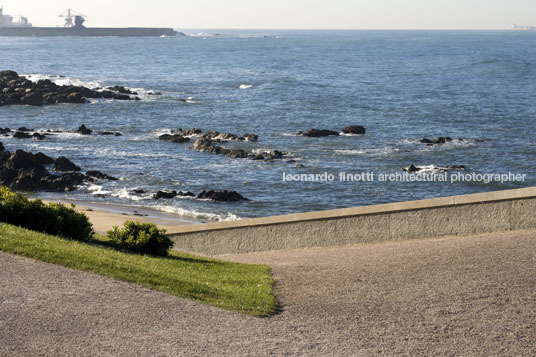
<point x="63" y="164"/>
<point x="174" y="138"/>
<point x="210" y="146"/>
<point x="222" y="196"/>
<point x="122" y="90"/>
<point x="438" y="140"/>
<point x="83" y="130"/>
<point x="18" y="90"/>
<point x="354" y="129"/>
<point x="100" y="176"/>
<point x="25" y="171"/>
<point x="317" y="133"/>
<point x="172" y="194"/>
<point x="413" y="168"/>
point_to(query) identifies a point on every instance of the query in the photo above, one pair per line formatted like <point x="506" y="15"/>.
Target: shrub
<point x="53" y="218"/>
<point x="144" y="238"/>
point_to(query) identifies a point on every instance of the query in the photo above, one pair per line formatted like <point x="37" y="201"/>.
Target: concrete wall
<point x="457" y="215"/>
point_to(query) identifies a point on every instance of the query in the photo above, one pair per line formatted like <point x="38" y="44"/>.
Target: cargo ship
<point x="19" y="26"/>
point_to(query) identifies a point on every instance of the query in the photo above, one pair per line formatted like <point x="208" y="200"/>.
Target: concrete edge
<point x="477" y="198"/>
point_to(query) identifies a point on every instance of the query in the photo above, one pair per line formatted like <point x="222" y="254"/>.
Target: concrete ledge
<point x="457" y="215"/>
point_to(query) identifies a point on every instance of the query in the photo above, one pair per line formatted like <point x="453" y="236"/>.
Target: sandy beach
<point x="105" y="216"/>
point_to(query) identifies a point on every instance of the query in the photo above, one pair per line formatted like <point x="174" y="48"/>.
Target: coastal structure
<point x="19" y="26"/>
<point x="523" y="28"/>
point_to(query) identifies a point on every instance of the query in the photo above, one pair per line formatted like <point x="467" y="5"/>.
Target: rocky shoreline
<point x="18" y="90"/>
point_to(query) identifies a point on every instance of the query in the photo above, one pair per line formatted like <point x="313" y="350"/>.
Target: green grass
<point x="238" y="287"/>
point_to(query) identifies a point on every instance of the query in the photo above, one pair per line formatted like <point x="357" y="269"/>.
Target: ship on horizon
<point x="19" y="26"/>
<point x="523" y="28"/>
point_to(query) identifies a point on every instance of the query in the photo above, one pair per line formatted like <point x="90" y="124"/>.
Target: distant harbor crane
<point x="73" y="18"/>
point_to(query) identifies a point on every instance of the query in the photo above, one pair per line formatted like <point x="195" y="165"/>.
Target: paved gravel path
<point x="456" y="296"/>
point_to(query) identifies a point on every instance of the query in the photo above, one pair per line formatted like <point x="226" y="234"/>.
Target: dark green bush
<point x="144" y="238"/>
<point x="53" y="218"/>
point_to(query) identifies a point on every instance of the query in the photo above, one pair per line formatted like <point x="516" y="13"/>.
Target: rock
<point x="137" y="192"/>
<point x="63" y="164"/>
<point x="190" y="132"/>
<point x="43" y="159"/>
<point x="99" y="175"/>
<point x="412" y="168"/>
<point x="5" y="130"/>
<point x="186" y="194"/>
<point x="165" y="195"/>
<point x="222" y="196"/>
<point x="251" y="137"/>
<point x="20" y="90"/>
<point x="22" y="135"/>
<point x="316" y="133"/>
<point x="354" y="129"/>
<point x="153" y="93"/>
<point x="2" y="148"/>
<point x="173" y="138"/>
<point x="21" y="159"/>
<point x="122" y="90"/>
<point x="39" y="136"/>
<point x="35" y="99"/>
<point x="83" y="130"/>
<point x="439" y="140"/>
<point x="9" y="75"/>
<point x="23" y="128"/>
<point x="63" y="183"/>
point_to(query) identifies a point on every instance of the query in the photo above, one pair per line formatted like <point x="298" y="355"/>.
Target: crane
<point x="71" y="15"/>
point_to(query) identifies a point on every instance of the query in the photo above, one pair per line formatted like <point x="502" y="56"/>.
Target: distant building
<point x="13" y="21"/>
<point x="523" y="28"/>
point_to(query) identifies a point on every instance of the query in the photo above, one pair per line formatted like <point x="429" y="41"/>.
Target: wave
<point x="378" y="151"/>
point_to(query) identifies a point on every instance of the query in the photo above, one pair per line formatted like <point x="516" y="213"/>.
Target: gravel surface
<point x="455" y="296"/>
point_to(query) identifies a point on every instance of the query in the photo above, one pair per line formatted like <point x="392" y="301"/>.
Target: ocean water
<point x="401" y="85"/>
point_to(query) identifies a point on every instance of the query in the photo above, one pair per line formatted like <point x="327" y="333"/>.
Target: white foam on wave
<point x="220" y="217"/>
<point x="245" y="86"/>
<point x="63" y="80"/>
<point x="378" y="151"/>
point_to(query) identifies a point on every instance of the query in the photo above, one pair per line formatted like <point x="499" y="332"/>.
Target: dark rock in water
<point x="251" y="137"/>
<point x="186" y="194"/>
<point x="452" y="167"/>
<point x="316" y="133"/>
<point x="43" y="159"/>
<point x="190" y="132"/>
<point x="173" y="138"/>
<point x="39" y="136"/>
<point x="19" y="90"/>
<point x="99" y="175"/>
<point x="83" y="130"/>
<point x="412" y="168"/>
<point x="137" y="192"/>
<point x="439" y="140"/>
<point x="154" y="93"/>
<point x="354" y="129"/>
<point x="204" y="144"/>
<point x="2" y="148"/>
<point x="22" y="135"/>
<point x="35" y="99"/>
<point x="21" y="159"/>
<point x="165" y="195"/>
<point x="5" y="130"/>
<point x="63" y="164"/>
<point x="122" y="90"/>
<point x="23" y="128"/>
<point x="63" y="183"/>
<point x="222" y="196"/>
<point x="110" y="133"/>
<point x="9" y="75"/>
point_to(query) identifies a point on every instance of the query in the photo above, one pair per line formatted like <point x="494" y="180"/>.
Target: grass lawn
<point x="238" y="287"/>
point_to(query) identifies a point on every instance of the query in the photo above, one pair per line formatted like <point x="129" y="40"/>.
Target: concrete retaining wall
<point x="457" y="215"/>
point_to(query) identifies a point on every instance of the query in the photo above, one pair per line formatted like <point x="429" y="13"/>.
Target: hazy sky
<point x="285" y="14"/>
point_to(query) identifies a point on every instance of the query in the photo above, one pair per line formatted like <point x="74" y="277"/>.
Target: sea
<point x="477" y="87"/>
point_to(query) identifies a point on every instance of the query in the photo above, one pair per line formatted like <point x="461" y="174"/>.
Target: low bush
<point x="144" y="238"/>
<point x="53" y="218"/>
